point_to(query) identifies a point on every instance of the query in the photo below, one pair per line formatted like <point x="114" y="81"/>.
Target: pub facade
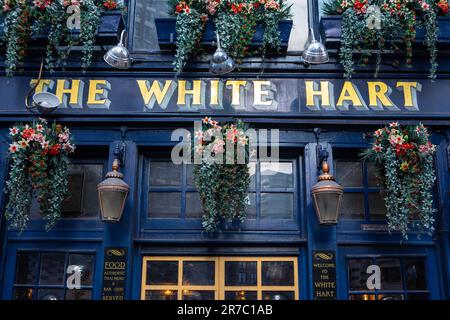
<point x="158" y="249"/>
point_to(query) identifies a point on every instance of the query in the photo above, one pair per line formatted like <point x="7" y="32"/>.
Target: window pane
<point x="415" y="274"/>
<point x="372" y="175"/>
<point x="52" y="268"/>
<point x="376" y="206"/>
<point x="349" y="173"/>
<point x="164" y="204"/>
<point x="78" y="294"/>
<point x="278" y="295"/>
<point x="352" y="206"/>
<point x="364" y="297"/>
<point x="85" y="263"/>
<point x="391" y="275"/>
<point x="165" y="174"/>
<point x="190" y="175"/>
<point x="193" y="205"/>
<point x="27" y="268"/>
<point x="357" y="275"/>
<point x="198" y="295"/>
<point x="240" y="273"/>
<point x="389" y="296"/>
<point x="241" y="295"/>
<point x="252" y="171"/>
<point x="162" y="272"/>
<point x="200" y="273"/>
<point x="161" y="295"/>
<point x="277" y="205"/>
<point x="276" y="175"/>
<point x="83" y="199"/>
<point x="51" y="294"/>
<point x="251" y="206"/>
<point x="299" y="32"/>
<point x="145" y="36"/>
<point x="278" y="273"/>
<point x="23" y="293"/>
<point x="418" y="296"/>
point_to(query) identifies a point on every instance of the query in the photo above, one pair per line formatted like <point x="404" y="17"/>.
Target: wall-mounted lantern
<point x="113" y="191"/>
<point x="44" y="102"/>
<point x="326" y="193"/>
<point x="315" y="52"/>
<point x="221" y="62"/>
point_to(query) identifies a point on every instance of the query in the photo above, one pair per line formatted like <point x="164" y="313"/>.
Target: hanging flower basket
<point x="46" y="23"/>
<point x="222" y="179"/>
<point x="373" y="27"/>
<point x="39" y="155"/>
<point x="404" y="160"/>
<point x="237" y="22"/>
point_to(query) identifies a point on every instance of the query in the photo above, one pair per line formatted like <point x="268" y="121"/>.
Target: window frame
<point x="219" y="287"/>
<point x="37" y="286"/>
<point x="147" y="223"/>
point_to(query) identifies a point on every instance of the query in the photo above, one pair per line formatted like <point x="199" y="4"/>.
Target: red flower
<point x="443" y="5"/>
<point x="55" y="149"/>
<point x="179" y="8"/>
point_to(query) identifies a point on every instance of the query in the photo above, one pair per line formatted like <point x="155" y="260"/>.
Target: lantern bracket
<point x="121" y="148"/>
<point x="322" y="153"/>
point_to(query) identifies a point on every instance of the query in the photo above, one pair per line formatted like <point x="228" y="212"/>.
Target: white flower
<point x="13" y="131"/>
<point x="14" y="147"/>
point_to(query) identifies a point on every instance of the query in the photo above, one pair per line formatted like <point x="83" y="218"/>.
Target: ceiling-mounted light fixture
<point x="315" y="52"/>
<point x="221" y="62"/>
<point x="44" y="102"/>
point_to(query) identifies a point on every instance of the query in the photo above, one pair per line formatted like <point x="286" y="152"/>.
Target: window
<point x="42" y="276"/>
<point x="145" y="36"/>
<point x="82" y="202"/>
<point x="402" y="278"/>
<point x="172" y="193"/>
<point x="362" y="199"/>
<point x="223" y="278"/>
<point x="272" y="190"/>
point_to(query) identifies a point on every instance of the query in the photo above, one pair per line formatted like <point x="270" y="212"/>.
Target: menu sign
<point x="114" y="274"/>
<point x="324" y="275"/>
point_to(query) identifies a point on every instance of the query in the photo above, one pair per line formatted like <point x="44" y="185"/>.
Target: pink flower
<point x="39" y="127"/>
<point x="231" y="135"/>
<point x="205" y="120"/>
<point x="393" y="124"/>
<point x="425" y="6"/>
<point x="377" y="148"/>
<point x="394" y="140"/>
<point x="218" y="146"/>
<point x="63" y="137"/>
<point x="69" y="148"/>
<point x="45" y="144"/>
<point x="14" y="147"/>
<point x="378" y="133"/>
<point x="199" y="135"/>
<point x="39" y="137"/>
<point x="13" y="131"/>
<point x="23" y="144"/>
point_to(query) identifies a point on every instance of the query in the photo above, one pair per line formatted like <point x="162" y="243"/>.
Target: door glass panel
<point x="277" y="273"/>
<point x="276" y="175"/>
<point x="78" y="294"/>
<point x="252" y="171"/>
<point x="193" y="205"/>
<point x="162" y="272"/>
<point x="251" y="206"/>
<point x="199" y="273"/>
<point x="198" y="295"/>
<point x="372" y="179"/>
<point x="241" y="295"/>
<point x="23" y="293"/>
<point x="278" y="295"/>
<point x="391" y="275"/>
<point x="415" y="274"/>
<point x="277" y="205"/>
<point x="165" y="174"/>
<point x="376" y="206"/>
<point x="349" y="174"/>
<point x="27" y="268"/>
<point x="164" y="204"/>
<point x="51" y="294"/>
<point x="52" y="269"/>
<point x="352" y="206"/>
<point x="240" y="273"/>
<point x="86" y="264"/>
<point x="364" y="297"/>
<point x="161" y="295"/>
<point x="389" y="297"/>
<point x="357" y="273"/>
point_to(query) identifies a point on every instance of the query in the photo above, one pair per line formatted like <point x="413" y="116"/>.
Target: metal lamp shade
<point x="46" y="102"/>
<point x="327" y="196"/>
<point x="118" y="56"/>
<point x="315" y="52"/>
<point x="221" y="62"/>
<point x="112" y="195"/>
